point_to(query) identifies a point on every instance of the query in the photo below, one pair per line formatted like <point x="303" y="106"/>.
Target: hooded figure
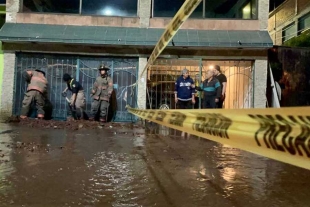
<point x="101" y="93"/>
<point x="36" y="93"/>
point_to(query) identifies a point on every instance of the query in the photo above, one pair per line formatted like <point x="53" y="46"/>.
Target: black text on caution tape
<point x="273" y="127"/>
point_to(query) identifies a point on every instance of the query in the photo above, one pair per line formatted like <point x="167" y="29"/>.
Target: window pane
<point x="110" y="7"/>
<point x="304" y="23"/>
<point x="227" y="9"/>
<point x="54" y="6"/>
<point x="2" y="1"/>
<point x="289" y="32"/>
<point x="231" y="9"/>
<point x="166" y="8"/>
<point x="169" y="8"/>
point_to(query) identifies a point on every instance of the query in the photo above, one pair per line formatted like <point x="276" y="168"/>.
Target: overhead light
<point x="108" y="11"/>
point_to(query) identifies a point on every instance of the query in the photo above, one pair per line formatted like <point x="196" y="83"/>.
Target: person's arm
<point x="94" y="89"/>
<point x="110" y="87"/>
<point x="218" y="91"/>
<point x="224" y="86"/>
<point x="193" y="91"/>
<point x="75" y="90"/>
<point x="176" y="88"/>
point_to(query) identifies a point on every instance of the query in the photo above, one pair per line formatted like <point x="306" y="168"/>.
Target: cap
<point x="66" y="77"/>
<point x="103" y="67"/>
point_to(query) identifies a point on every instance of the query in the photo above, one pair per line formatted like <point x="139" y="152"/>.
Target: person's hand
<point x="193" y="100"/>
<point x="176" y="100"/>
<point x="216" y="100"/>
<point x="64" y="93"/>
<point x="198" y="88"/>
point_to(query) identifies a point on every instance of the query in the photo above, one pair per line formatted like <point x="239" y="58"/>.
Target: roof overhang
<point x="132" y="37"/>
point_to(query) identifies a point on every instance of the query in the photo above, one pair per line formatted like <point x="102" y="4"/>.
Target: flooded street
<point x="127" y="165"/>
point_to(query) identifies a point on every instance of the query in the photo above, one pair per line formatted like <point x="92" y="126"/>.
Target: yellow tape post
<point x="184" y="12"/>
<point x="282" y="134"/>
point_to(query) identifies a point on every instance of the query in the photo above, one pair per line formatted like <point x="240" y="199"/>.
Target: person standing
<point x="184" y="91"/>
<point x="101" y="93"/>
<point x="77" y="100"/>
<point x="36" y="93"/>
<point x="223" y="81"/>
<point x="212" y="90"/>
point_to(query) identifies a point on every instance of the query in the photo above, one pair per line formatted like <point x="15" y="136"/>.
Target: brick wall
<point x="284" y="15"/>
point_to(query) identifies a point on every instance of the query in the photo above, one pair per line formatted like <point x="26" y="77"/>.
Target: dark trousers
<point x="221" y="101"/>
<point x="196" y="106"/>
<point x="184" y="104"/>
<point x="209" y="102"/>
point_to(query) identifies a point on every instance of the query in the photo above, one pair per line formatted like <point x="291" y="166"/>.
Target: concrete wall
<point x="260" y="83"/>
<point x="142" y="79"/>
<point x="6" y="102"/>
<point x="288" y="12"/>
<point x="144" y="20"/>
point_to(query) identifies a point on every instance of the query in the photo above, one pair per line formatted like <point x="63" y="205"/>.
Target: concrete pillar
<point x="7" y="96"/>
<point x="142" y="84"/>
<point x="12" y="7"/>
<point x="260" y="83"/>
<point x="145" y="12"/>
<point x="263" y="14"/>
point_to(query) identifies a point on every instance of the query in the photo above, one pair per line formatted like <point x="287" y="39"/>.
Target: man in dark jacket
<point x="212" y="90"/>
<point x="184" y="91"/>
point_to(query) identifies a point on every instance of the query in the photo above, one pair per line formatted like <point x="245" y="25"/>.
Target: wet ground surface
<point x="84" y="164"/>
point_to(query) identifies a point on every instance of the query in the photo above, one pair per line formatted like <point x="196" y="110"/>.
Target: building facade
<point x="75" y="36"/>
<point x="289" y="20"/>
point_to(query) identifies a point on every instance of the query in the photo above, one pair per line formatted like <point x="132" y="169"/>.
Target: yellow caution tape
<point x="282" y="134"/>
<point x="184" y="12"/>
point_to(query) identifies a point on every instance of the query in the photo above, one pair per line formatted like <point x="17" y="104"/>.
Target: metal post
<point x="200" y="80"/>
<point x="80" y="8"/>
<point x="77" y="74"/>
<point x="204" y="8"/>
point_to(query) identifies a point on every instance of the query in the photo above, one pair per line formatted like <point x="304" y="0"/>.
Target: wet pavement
<point x="83" y="164"/>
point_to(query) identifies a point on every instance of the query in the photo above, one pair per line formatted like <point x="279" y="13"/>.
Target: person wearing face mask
<point x="101" y="93"/>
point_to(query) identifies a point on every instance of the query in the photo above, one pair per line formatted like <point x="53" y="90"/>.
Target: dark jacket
<point x="184" y="88"/>
<point x="212" y="88"/>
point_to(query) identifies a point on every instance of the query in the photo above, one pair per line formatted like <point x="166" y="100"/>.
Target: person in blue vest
<point x="212" y="90"/>
<point x="184" y="91"/>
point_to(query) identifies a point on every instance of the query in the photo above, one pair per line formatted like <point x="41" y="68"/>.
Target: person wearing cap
<point x="77" y="100"/>
<point x="101" y="93"/>
<point x="211" y="88"/>
<point x="223" y="81"/>
<point x="184" y="91"/>
<point x="36" y="92"/>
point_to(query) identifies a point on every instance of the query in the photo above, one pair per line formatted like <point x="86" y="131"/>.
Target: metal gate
<point x="163" y="74"/>
<point x="84" y="69"/>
